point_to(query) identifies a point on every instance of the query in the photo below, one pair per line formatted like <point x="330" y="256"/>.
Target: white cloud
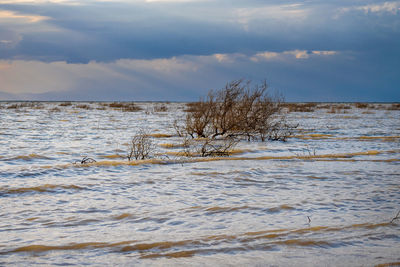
<point x="245" y="16"/>
<point x="173" y="1"/>
<point x="11" y="16"/>
<point x="390" y="7"/>
<point x="325" y="53"/>
<point x="297" y="54"/>
<point x="69" y="2"/>
<point x="227" y="58"/>
<point x="264" y="56"/>
<point x="222" y="57"/>
<point x="386" y="7"/>
<point x="165" y="66"/>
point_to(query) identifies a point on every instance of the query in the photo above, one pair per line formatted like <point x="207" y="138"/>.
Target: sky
<point x="177" y="50"/>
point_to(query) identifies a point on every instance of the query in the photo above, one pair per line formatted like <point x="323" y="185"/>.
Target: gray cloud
<point x="106" y="31"/>
<point x="99" y="50"/>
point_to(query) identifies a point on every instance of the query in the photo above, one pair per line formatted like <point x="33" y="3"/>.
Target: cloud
<point x="298" y="54"/>
<point x="387" y="7"/>
<point x="93" y="32"/>
<point x="265" y="56"/>
<point x="80" y="49"/>
<point x="7" y="16"/>
<point x="228" y="58"/>
<point x="325" y="53"/>
<point x="30" y="2"/>
<point x="298" y="74"/>
<point x="249" y="17"/>
<point x="171" y="1"/>
<point x="381" y="8"/>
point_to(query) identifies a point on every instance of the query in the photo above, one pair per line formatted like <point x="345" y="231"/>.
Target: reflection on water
<point x="325" y="197"/>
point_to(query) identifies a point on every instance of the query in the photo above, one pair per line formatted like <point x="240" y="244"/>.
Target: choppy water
<point x="325" y="197"/>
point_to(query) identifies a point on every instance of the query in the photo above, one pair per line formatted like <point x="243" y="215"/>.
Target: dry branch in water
<point x="208" y="147"/>
<point x="85" y="160"/>
<point x="396" y="217"/>
<point x="141" y="146"/>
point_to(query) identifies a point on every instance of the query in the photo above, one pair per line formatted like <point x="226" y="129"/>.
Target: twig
<point x="396" y="217"/>
<point x="85" y="160"/>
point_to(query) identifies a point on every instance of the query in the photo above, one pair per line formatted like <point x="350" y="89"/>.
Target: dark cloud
<point x="105" y="31"/>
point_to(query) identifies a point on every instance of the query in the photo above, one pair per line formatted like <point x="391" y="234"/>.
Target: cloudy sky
<point x="315" y="50"/>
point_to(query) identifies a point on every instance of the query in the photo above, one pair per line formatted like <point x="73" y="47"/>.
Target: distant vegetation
<point x="215" y="124"/>
<point x="124" y="106"/>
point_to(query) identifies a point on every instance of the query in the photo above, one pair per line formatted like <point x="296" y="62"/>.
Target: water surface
<point x="325" y="197"/>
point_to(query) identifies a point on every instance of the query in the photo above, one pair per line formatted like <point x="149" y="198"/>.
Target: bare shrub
<point x="200" y="118"/>
<point x="180" y="130"/>
<point x="281" y="130"/>
<point x="208" y="147"/>
<point x="28" y="104"/>
<point x="125" y="106"/>
<point x="55" y="109"/>
<point x="343" y="106"/>
<point x="116" y="105"/>
<point x="361" y="105"/>
<point x="84" y="106"/>
<point x="300" y="107"/>
<point x="339" y="108"/>
<point x="160" y="108"/>
<point x="395" y="106"/>
<point x="140" y="147"/>
<point x="324" y="106"/>
<point x="65" y="104"/>
<point x="217" y="147"/>
<point x="13" y="106"/>
<point x="238" y="110"/>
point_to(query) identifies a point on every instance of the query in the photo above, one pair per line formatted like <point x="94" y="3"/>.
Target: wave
<point x="218" y="209"/>
<point x="389" y="138"/>
<point x="38" y="189"/>
<point x="350" y="157"/>
<point x="74" y="246"/>
<point x="28" y="157"/>
<point x="260" y="240"/>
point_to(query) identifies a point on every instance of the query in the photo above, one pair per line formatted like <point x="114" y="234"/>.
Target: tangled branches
<point x="140" y="147"/>
<point x="238" y="111"/>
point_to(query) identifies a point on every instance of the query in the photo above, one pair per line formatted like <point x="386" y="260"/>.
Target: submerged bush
<point x="140" y="147"/>
<point x="160" y="108"/>
<point x="124" y="106"/>
<point x="395" y="106"/>
<point x="65" y="104"/>
<point x="208" y="147"/>
<point x="300" y="107"/>
<point x="239" y="110"/>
